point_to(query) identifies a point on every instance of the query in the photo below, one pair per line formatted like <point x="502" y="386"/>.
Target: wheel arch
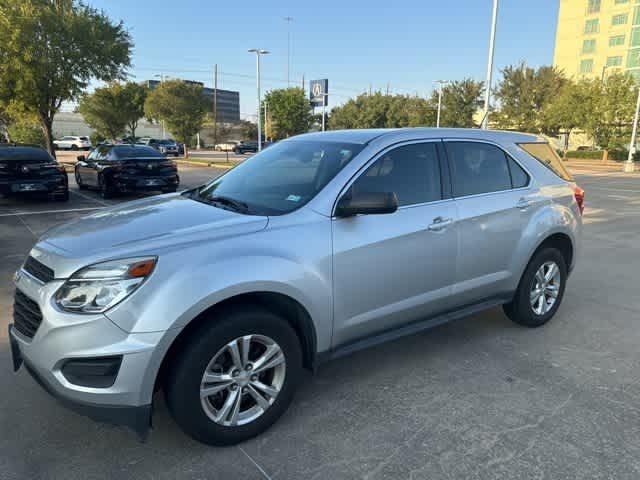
<point x="283" y="305"/>
<point x="562" y="242"/>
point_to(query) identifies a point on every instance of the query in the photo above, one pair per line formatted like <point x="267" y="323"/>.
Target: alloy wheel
<point x="242" y="380"/>
<point x="545" y="288"/>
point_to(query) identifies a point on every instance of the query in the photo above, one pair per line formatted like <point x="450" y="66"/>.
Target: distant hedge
<point x="617" y="155"/>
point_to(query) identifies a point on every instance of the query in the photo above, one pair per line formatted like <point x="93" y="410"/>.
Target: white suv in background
<point x="73" y="143"/>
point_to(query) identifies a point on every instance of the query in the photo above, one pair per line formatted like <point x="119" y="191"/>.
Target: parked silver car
<point x="314" y="248"/>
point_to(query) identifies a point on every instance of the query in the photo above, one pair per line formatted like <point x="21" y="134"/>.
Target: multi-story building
<point x="227" y="101"/>
<point x="596" y="37"/>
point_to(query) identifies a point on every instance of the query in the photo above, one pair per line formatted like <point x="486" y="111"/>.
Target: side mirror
<point x="366" y="203"/>
<point x="81" y="158"/>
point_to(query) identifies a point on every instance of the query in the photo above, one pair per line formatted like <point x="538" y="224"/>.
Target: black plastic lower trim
<point x="136" y="418"/>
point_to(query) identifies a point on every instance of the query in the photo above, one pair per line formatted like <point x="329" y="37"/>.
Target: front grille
<point x="26" y="315"/>
<point x="39" y="270"/>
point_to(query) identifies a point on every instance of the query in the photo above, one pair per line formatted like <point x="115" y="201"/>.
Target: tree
<point x="289" y="112"/>
<point x="248" y="129"/>
<point x="50" y="50"/>
<point x="523" y="93"/>
<point x="568" y="110"/>
<point x="378" y="110"/>
<point x="26" y="130"/>
<point x="112" y="109"/>
<point x="181" y="105"/>
<point x="461" y="99"/>
<point x="610" y="118"/>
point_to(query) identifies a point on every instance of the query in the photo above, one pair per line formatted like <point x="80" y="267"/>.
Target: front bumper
<point x="62" y="336"/>
<point x="48" y="184"/>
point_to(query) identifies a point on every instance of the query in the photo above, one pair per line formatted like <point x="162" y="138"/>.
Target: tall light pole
<point x="628" y="165"/>
<point x="258" y="52"/>
<point x="440" y="84"/>
<point x="288" y="20"/>
<point x="492" y="44"/>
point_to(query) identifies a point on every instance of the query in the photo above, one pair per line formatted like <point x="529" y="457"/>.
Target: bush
<point x="619" y="155"/>
<point x="25" y="131"/>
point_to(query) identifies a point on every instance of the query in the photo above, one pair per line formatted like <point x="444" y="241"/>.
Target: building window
<point x="620" y="19"/>
<point x="614" y="61"/>
<point x="616" y="40"/>
<point x="593" y="6"/>
<point x="586" y="66"/>
<point x="620" y="2"/>
<point x="589" y="45"/>
<point x="636" y="16"/>
<point x="591" y="26"/>
<point x="633" y="59"/>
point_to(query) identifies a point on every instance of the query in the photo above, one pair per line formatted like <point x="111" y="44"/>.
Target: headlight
<point x="98" y="287"/>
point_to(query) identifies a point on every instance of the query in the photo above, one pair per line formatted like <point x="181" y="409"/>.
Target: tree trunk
<point x="605" y="155"/>
<point x="46" y="123"/>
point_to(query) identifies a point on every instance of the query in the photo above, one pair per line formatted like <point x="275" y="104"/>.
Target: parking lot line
<point x="44" y="212"/>
<point x="87" y="197"/>
<point x="256" y="464"/>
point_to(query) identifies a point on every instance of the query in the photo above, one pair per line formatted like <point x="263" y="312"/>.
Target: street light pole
<point x="492" y="44"/>
<point x="288" y="20"/>
<point x="628" y="165"/>
<point x="440" y="82"/>
<point x="324" y="107"/>
<point x="258" y="52"/>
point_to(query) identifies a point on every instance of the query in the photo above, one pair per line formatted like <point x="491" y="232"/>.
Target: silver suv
<point x="316" y="247"/>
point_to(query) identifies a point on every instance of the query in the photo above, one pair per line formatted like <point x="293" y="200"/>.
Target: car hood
<point x="152" y="222"/>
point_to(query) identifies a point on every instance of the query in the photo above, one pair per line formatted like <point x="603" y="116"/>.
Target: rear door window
<point x="548" y="157"/>
<point x="477" y="168"/>
<point x="519" y="177"/>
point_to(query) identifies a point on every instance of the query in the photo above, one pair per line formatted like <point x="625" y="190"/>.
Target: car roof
<point x="363" y="136"/>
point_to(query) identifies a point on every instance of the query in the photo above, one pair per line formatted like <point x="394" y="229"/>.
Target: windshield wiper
<point x="234" y="204"/>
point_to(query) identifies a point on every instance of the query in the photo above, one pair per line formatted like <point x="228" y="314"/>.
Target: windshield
<point x="131" y="151"/>
<point x="282" y="178"/>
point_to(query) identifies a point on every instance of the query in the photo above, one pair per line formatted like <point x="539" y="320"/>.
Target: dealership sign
<point x="318" y="90"/>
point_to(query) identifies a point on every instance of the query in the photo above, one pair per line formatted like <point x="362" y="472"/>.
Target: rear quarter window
<point x="548" y="157"/>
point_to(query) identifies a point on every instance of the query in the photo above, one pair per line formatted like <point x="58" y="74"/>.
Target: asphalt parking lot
<point x="478" y="398"/>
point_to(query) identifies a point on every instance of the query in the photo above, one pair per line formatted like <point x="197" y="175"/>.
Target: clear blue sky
<point x="407" y="43"/>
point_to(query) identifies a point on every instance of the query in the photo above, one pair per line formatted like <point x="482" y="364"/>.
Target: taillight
<point x="579" y="194"/>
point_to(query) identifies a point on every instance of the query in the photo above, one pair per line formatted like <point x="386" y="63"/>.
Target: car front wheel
<point x="234" y="376"/>
<point x="540" y="291"/>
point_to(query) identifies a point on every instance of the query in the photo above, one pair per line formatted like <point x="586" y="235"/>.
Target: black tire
<point x="81" y="185"/>
<point x="520" y="310"/>
<point x="182" y="387"/>
<point x="106" y="191"/>
<point x="74" y="147"/>
<point x="169" y="190"/>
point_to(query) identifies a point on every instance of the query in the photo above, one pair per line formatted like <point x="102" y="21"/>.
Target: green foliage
<point x="619" y="155"/>
<point x="26" y="130"/>
<point x="461" y="99"/>
<point x="523" y="93"/>
<point x="610" y="116"/>
<point x="249" y="129"/>
<point x="181" y="105"/>
<point x="112" y="109"/>
<point x="50" y="50"/>
<point x="383" y="111"/>
<point x="289" y="112"/>
<point x="585" y="154"/>
<point x="568" y="110"/>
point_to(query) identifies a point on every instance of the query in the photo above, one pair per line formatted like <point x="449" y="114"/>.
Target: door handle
<point x="524" y="203"/>
<point x="439" y="224"/>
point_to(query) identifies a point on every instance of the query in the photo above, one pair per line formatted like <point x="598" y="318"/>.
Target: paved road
<point x="479" y="398"/>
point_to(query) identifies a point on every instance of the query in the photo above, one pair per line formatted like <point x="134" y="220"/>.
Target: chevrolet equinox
<point x="318" y="246"/>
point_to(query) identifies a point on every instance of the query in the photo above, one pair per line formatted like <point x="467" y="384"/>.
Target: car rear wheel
<point x="74" y="147"/>
<point x="106" y="190"/>
<point x="235" y="376"/>
<point x="540" y="291"/>
<point x="62" y="197"/>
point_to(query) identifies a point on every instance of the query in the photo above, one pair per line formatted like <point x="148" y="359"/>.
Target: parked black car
<point x="29" y="169"/>
<point x="114" y="169"/>
<point x="246" y="147"/>
<point x="166" y="146"/>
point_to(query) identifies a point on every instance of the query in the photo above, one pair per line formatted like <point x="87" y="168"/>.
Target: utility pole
<point x="492" y="44"/>
<point x="324" y="108"/>
<point x="288" y="20"/>
<point x="215" y="104"/>
<point x="628" y="165"/>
